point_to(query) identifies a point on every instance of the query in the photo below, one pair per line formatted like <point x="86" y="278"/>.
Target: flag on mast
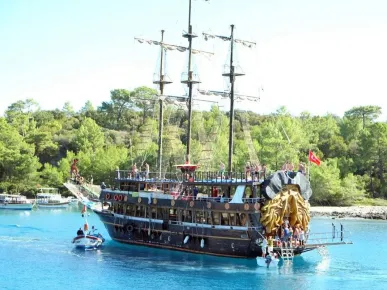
<point x="313" y="158"/>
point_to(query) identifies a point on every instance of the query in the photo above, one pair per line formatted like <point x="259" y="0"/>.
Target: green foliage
<point x="329" y="189"/>
<point x="124" y="130"/>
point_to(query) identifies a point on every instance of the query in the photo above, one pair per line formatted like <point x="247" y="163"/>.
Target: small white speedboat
<point x="268" y="263"/>
<point x="88" y="242"/>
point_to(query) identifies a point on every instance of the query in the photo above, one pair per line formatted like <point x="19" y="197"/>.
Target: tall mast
<point x="232" y="79"/>
<point x="161" y="116"/>
<point x="189" y="82"/>
<point x="231" y="74"/>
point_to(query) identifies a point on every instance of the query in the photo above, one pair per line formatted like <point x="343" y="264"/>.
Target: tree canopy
<point x="37" y="146"/>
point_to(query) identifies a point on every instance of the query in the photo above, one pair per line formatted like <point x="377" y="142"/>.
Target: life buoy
<point x="208" y="205"/>
<point x="155" y="201"/>
<point x="246" y="206"/>
<point x="173" y="202"/>
<point x="257" y="206"/>
<point x="129" y="228"/>
<point x="115" y="197"/>
<point x="120" y="197"/>
<point x="227" y="206"/>
<point x="139" y="200"/>
<point x="191" y="203"/>
<point x="107" y="196"/>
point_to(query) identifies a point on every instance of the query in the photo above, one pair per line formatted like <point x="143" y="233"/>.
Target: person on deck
<point x="221" y="169"/>
<point x="268" y="259"/>
<point x="134" y="170"/>
<point x="146" y="170"/>
<point x="270" y="244"/>
<point x="80" y="232"/>
<point x="264" y="247"/>
<point x="195" y="192"/>
<point x="301" y="168"/>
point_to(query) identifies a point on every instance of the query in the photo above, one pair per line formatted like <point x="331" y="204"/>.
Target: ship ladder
<point x="287" y="253"/>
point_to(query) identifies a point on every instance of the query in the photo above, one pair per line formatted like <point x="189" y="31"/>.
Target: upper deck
<point x="209" y="178"/>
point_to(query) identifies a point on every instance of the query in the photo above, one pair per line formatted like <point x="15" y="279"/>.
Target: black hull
<point x="137" y="233"/>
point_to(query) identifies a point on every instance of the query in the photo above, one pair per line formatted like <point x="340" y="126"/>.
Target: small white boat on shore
<point x="50" y="198"/>
<point x="16" y="202"/>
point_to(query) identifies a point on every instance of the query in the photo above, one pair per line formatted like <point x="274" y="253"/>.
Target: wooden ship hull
<point x="228" y="227"/>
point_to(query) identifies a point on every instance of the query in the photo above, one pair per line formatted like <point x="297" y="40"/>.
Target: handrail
<point x="197" y="176"/>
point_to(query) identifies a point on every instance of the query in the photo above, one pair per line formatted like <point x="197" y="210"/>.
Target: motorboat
<point x="16" y="202"/>
<point x="89" y="241"/>
<point x="50" y="198"/>
<point x="85" y="239"/>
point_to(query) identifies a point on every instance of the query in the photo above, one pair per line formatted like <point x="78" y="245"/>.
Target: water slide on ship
<point x="86" y="193"/>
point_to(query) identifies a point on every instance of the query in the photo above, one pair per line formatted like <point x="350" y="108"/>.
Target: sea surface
<point x="36" y="253"/>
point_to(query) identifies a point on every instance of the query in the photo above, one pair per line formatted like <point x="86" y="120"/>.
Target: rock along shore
<point x="366" y="212"/>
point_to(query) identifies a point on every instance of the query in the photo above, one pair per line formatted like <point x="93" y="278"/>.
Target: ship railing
<point x="217" y="199"/>
<point x="197" y="176"/>
<point x="337" y="235"/>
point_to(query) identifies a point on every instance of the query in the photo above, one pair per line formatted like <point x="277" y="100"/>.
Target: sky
<point x="321" y="56"/>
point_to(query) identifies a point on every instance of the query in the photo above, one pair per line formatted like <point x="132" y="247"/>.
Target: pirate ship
<point x="223" y="213"/>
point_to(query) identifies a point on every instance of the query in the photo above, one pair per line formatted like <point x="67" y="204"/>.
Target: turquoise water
<point x="36" y="253"/>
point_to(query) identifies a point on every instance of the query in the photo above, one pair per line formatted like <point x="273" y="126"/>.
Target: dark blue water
<point x="36" y="253"/>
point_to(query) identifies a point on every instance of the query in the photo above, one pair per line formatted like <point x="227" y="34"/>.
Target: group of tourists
<point x="255" y="172"/>
<point x="135" y="173"/>
<point x="286" y="236"/>
<point x="290" y="236"/>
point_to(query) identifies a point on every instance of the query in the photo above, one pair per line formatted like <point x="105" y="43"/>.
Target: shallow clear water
<point x="36" y="253"/>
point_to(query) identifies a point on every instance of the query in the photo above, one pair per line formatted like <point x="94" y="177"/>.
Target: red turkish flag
<point x="313" y="158"/>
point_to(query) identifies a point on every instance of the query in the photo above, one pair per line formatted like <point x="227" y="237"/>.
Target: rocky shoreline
<point x="365" y="212"/>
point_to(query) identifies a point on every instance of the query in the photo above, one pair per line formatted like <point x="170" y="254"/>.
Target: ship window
<point x="216" y="218"/>
<point x="242" y="220"/>
<point x="154" y="212"/>
<point x="233" y="219"/>
<point x="130" y="209"/>
<point x="172" y="214"/>
<point x="140" y="211"/>
<point x="160" y="213"/>
<point x="187" y="216"/>
<point x="200" y="219"/>
<point x="248" y="193"/>
<point x="225" y="220"/>
<point x="209" y="218"/>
